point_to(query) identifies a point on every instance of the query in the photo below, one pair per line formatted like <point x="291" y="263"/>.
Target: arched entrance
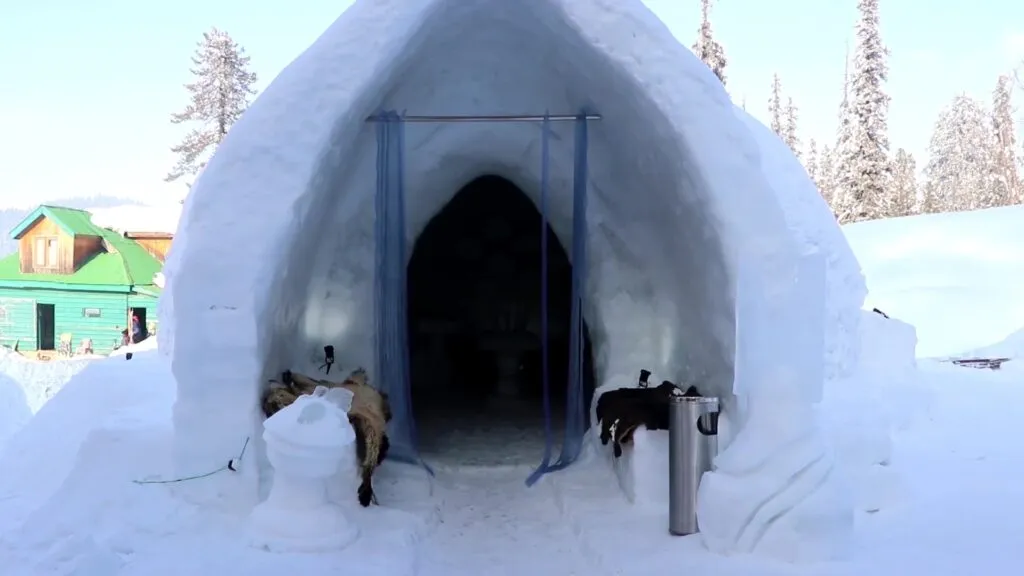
<point x="474" y="293"/>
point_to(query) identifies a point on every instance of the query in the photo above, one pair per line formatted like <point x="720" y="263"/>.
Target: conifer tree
<point x="219" y="95"/>
<point x="810" y="160"/>
<point x="902" y="195"/>
<point x="706" y="47"/>
<point x="842" y="175"/>
<point x="827" y="175"/>
<point x="865" y="153"/>
<point x="1005" y="178"/>
<point x="789" y="128"/>
<point x="959" y="158"/>
<point x="775" y="106"/>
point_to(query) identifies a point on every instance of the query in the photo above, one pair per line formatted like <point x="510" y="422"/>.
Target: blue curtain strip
<point x="545" y="136"/>
<point x="575" y="422"/>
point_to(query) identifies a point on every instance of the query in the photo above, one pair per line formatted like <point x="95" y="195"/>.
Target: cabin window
<point x="91" y="312"/>
<point x="51" y="251"/>
<point x="45" y="253"/>
<point x="39" y="252"/>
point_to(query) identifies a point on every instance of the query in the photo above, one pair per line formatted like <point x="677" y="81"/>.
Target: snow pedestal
<point x="308" y="443"/>
<point x="777" y="490"/>
<point x="778" y="494"/>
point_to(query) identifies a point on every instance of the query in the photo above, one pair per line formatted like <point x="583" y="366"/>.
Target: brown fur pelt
<point x="369" y="416"/>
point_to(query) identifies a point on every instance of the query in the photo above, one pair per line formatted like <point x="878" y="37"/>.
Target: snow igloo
<point x="711" y="258"/>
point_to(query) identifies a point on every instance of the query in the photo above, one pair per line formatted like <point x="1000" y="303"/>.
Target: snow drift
<point x="14" y="409"/>
<point x="25" y="386"/>
<point x="685" y="193"/>
<point x="955" y="276"/>
<point x="109" y="392"/>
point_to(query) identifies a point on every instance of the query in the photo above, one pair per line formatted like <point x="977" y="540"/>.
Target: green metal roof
<point x="71" y="220"/>
<point x="127" y="264"/>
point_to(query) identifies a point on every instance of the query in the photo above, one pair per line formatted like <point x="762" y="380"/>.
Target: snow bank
<point x="149" y="344"/>
<point x="40" y="381"/>
<point x="1011" y="347"/>
<point x="110" y="392"/>
<point x="14" y="409"/>
<point x="671" y="153"/>
<point x="25" y="386"/>
<point x="956" y="277"/>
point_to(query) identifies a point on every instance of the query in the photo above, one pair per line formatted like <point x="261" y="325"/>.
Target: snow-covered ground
<point x="944" y="494"/>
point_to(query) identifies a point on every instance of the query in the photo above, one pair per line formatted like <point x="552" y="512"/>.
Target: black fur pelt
<point x="622" y="411"/>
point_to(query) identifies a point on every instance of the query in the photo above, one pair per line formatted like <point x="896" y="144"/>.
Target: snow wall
<point x="683" y="189"/>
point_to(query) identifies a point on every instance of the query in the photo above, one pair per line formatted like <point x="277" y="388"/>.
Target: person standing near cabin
<point x="136" y="329"/>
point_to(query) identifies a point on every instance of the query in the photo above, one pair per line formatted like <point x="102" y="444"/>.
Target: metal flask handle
<point x="707" y="424"/>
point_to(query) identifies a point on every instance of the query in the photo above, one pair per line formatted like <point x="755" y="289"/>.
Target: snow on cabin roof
<point x="161" y="219"/>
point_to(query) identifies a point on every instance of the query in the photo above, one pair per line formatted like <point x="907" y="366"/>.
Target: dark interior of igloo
<point x="474" y="294"/>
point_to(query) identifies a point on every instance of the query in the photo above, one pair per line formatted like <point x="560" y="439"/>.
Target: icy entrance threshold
<point x="684" y="190"/>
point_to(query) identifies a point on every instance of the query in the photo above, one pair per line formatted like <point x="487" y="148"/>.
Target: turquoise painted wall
<point x="18" y="316"/>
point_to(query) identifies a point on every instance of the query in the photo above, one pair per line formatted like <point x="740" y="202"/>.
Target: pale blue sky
<point x="88" y="86"/>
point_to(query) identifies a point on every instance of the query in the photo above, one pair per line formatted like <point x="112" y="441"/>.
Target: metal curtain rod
<point x="496" y="118"/>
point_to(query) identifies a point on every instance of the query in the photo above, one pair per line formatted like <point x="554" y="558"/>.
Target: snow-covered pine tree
<point x="902" y="196"/>
<point x="810" y="160"/>
<point x="219" y="96"/>
<point x="706" y="47"/>
<point x="866" y="152"/>
<point x="927" y="202"/>
<point x="775" y="106"/>
<point x="827" y="174"/>
<point x="841" y="175"/>
<point x="1005" y="178"/>
<point x="959" y="158"/>
<point x="789" y="127"/>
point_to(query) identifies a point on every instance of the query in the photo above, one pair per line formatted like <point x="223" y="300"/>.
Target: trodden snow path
<point x="491" y="523"/>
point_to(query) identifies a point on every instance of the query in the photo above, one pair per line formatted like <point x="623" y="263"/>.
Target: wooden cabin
<point x="156" y="243"/>
<point x="73" y="282"/>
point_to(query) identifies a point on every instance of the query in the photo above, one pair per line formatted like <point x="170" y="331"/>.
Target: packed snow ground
<point x="944" y="500"/>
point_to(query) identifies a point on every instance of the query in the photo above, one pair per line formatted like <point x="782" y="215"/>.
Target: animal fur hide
<point x="622" y="411"/>
<point x="369" y="416"/>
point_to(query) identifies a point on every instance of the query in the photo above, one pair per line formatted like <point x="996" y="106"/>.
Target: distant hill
<point x="11" y="217"/>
